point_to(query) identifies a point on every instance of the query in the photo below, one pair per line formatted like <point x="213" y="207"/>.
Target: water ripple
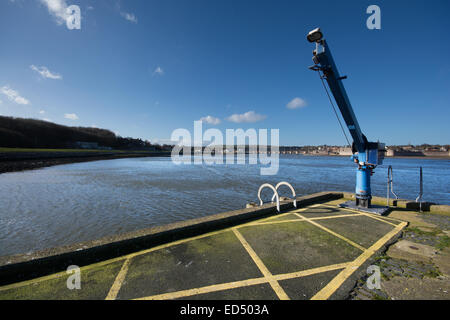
<point x="84" y="201"/>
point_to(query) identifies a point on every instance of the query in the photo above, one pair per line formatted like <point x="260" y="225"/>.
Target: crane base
<point x="379" y="210"/>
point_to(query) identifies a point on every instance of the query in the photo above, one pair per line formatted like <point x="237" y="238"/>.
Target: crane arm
<point x="369" y="154"/>
<point x="324" y="62"/>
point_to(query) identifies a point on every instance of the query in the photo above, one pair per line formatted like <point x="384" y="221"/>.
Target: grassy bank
<point x="13" y="150"/>
<point x="19" y="159"/>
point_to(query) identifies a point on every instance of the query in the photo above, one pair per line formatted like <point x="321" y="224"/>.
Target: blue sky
<point x="144" y="68"/>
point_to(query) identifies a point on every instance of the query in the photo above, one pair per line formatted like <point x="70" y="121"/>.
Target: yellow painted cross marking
<point x="243" y="283"/>
<point x="273" y="283"/>
<point x="334" y="284"/>
<point x="309" y="272"/>
<point x="368" y="215"/>
<point x="333" y="233"/>
<point x="207" y="289"/>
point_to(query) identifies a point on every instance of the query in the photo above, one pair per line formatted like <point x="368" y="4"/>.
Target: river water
<point x="67" y="204"/>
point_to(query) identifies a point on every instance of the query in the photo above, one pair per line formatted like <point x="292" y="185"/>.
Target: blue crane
<point x="367" y="155"/>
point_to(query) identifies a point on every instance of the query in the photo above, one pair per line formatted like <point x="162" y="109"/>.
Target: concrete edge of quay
<point x="428" y="207"/>
<point x="22" y="267"/>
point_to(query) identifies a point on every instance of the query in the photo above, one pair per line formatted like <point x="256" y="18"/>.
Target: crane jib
<point x="329" y="69"/>
<point x="366" y="154"/>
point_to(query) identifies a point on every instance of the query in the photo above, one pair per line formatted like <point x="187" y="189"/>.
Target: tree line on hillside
<point x="32" y="133"/>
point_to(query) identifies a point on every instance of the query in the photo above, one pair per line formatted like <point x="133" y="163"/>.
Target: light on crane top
<point x="315" y="35"/>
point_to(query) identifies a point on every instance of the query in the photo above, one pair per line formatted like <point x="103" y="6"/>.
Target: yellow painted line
<point x="273" y="283"/>
<point x="207" y="289"/>
<point x="58" y="274"/>
<point x="275" y="222"/>
<point x="308" y="207"/>
<point x="333" y="233"/>
<point x="378" y="219"/>
<point x="309" y="272"/>
<point x="333" y="217"/>
<point x="302" y="220"/>
<point x="33" y="281"/>
<point x="242" y="283"/>
<point x="112" y="294"/>
<point x="174" y="243"/>
<point x="274" y="217"/>
<point x="368" y="215"/>
<point x="315" y="206"/>
<point x="334" y="284"/>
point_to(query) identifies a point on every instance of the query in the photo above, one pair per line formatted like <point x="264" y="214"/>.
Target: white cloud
<point x="296" y="103"/>
<point x="42" y="112"/>
<point x="129" y="16"/>
<point x="210" y="120"/>
<point x="158" y="71"/>
<point x="47" y="119"/>
<point x="45" y="73"/>
<point x="250" y="116"/>
<point x="57" y="8"/>
<point x="71" y="116"/>
<point x="13" y="95"/>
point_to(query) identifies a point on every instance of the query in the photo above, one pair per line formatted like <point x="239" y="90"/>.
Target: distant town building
<point x="346" y="151"/>
<point x="86" y="145"/>
<point x="90" y="145"/>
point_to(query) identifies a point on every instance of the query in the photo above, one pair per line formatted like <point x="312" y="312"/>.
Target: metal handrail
<point x="419" y="197"/>
<point x="390" y="185"/>
<point x="275" y="193"/>
<point x="284" y="183"/>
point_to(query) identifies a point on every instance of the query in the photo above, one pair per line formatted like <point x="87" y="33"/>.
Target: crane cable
<point x="334" y="109"/>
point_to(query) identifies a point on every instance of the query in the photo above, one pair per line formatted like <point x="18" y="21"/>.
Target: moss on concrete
<point x="361" y="229"/>
<point x="318" y="212"/>
<point x="211" y="260"/>
<point x="296" y="246"/>
<point x="256" y="292"/>
<point x="444" y="242"/>
<point x="305" y="288"/>
<point x="290" y="216"/>
<point x="95" y="284"/>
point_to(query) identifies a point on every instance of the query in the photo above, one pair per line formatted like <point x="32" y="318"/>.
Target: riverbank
<point x="28" y="159"/>
<point x="14" y="159"/>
